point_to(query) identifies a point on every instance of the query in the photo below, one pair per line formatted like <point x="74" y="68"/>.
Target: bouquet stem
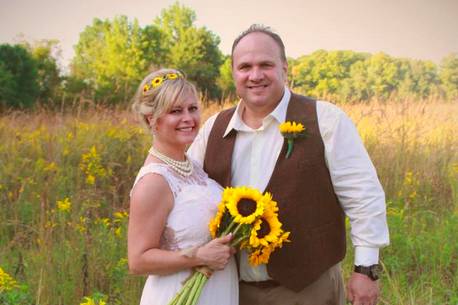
<point x="236" y="242"/>
<point x="190" y="292"/>
<point x="202" y="282"/>
<point x="183" y="291"/>
<point x="228" y="229"/>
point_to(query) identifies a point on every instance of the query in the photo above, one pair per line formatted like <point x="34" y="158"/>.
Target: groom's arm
<point x="360" y="193"/>
<point x="199" y="146"/>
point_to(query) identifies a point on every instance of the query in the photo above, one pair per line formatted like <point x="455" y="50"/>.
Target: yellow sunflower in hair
<point x="172" y="76"/>
<point x="245" y="204"/>
<point x="157" y="81"/>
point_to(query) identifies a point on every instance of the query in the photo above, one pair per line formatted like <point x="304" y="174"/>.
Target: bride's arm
<point x="150" y="205"/>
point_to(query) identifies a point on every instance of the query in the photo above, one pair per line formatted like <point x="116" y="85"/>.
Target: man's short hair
<point x="259" y="28"/>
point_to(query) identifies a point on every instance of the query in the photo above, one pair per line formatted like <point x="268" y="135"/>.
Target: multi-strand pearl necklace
<point x="183" y="168"/>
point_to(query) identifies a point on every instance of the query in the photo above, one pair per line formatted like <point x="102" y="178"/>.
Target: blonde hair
<point x="155" y="101"/>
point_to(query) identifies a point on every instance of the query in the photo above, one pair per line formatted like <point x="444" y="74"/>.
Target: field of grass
<point x="64" y="192"/>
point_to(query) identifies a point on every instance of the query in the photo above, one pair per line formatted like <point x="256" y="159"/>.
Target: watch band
<point x="371" y="271"/>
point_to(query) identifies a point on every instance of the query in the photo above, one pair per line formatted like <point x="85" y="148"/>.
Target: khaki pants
<point x="328" y="289"/>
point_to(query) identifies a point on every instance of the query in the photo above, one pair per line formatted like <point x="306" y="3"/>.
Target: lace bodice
<point x="195" y="202"/>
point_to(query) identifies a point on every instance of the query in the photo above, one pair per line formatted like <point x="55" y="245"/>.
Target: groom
<point x="328" y="175"/>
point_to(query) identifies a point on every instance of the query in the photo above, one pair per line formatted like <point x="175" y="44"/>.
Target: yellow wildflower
<point x="91" y="301"/>
<point x="120" y="215"/>
<point x="64" y="205"/>
<point x="91" y="165"/>
<point x="118" y="232"/>
<point x="50" y="167"/>
<point x="81" y="226"/>
<point x="6" y="281"/>
<point x="90" y="179"/>
<point x="104" y="221"/>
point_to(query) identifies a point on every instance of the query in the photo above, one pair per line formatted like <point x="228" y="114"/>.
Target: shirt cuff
<point x="366" y="256"/>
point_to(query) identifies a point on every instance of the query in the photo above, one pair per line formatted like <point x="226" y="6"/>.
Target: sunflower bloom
<point x="290" y="131"/>
<point x="172" y="76"/>
<point x="267" y="229"/>
<point x="291" y="127"/>
<point x="215" y="223"/>
<point x="157" y="81"/>
<point x="260" y="256"/>
<point x="245" y="204"/>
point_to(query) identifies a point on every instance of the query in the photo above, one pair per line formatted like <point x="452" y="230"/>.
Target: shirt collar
<point x="279" y="114"/>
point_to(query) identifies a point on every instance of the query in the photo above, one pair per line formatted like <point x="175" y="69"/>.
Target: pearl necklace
<point x="183" y="168"/>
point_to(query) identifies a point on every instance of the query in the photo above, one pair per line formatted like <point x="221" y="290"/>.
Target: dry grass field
<point x="64" y="193"/>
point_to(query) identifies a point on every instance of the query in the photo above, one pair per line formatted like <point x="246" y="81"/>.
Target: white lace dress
<point x="195" y="203"/>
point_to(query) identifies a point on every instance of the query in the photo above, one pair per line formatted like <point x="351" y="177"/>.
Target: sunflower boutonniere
<point x="291" y="130"/>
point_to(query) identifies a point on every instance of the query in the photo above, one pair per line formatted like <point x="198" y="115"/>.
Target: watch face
<point x="372" y="272"/>
<point x="375" y="272"/>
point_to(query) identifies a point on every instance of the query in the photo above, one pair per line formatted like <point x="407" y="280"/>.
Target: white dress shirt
<point x="352" y="173"/>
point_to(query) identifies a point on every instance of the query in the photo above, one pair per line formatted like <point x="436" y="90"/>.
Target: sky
<point x="418" y="29"/>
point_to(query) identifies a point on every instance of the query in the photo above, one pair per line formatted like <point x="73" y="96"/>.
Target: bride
<point x="172" y="200"/>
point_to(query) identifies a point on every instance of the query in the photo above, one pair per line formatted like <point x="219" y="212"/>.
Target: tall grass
<point x="64" y="191"/>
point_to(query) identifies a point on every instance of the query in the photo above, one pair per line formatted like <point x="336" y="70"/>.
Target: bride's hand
<point x="216" y="253"/>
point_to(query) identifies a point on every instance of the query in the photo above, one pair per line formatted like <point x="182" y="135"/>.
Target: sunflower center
<point x="246" y="207"/>
<point x="264" y="230"/>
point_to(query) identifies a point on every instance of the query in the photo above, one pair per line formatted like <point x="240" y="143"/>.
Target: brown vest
<point x="302" y="186"/>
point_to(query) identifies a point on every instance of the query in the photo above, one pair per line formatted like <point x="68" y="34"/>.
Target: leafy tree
<point x="417" y="78"/>
<point x="7" y="84"/>
<point x="449" y="75"/>
<point x="377" y="76"/>
<point x="190" y="49"/>
<point x="225" y="81"/>
<point x="292" y="62"/>
<point x="49" y="79"/>
<point x="324" y="73"/>
<point x="113" y="56"/>
<point x="18" y="77"/>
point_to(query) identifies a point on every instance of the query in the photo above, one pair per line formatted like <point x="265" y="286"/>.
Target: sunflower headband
<point x="159" y="80"/>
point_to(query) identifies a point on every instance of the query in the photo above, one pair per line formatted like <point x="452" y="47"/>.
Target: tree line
<point x="112" y="57"/>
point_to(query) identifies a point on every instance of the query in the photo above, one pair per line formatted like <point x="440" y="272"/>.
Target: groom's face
<point x="259" y="71"/>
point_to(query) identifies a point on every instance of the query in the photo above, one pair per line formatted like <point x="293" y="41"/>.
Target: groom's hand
<point x="361" y="290"/>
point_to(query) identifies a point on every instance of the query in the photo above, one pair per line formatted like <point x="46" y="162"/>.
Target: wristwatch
<point x="372" y="271"/>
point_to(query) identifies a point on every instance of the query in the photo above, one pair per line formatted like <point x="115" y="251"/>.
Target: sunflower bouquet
<point x="252" y="219"/>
